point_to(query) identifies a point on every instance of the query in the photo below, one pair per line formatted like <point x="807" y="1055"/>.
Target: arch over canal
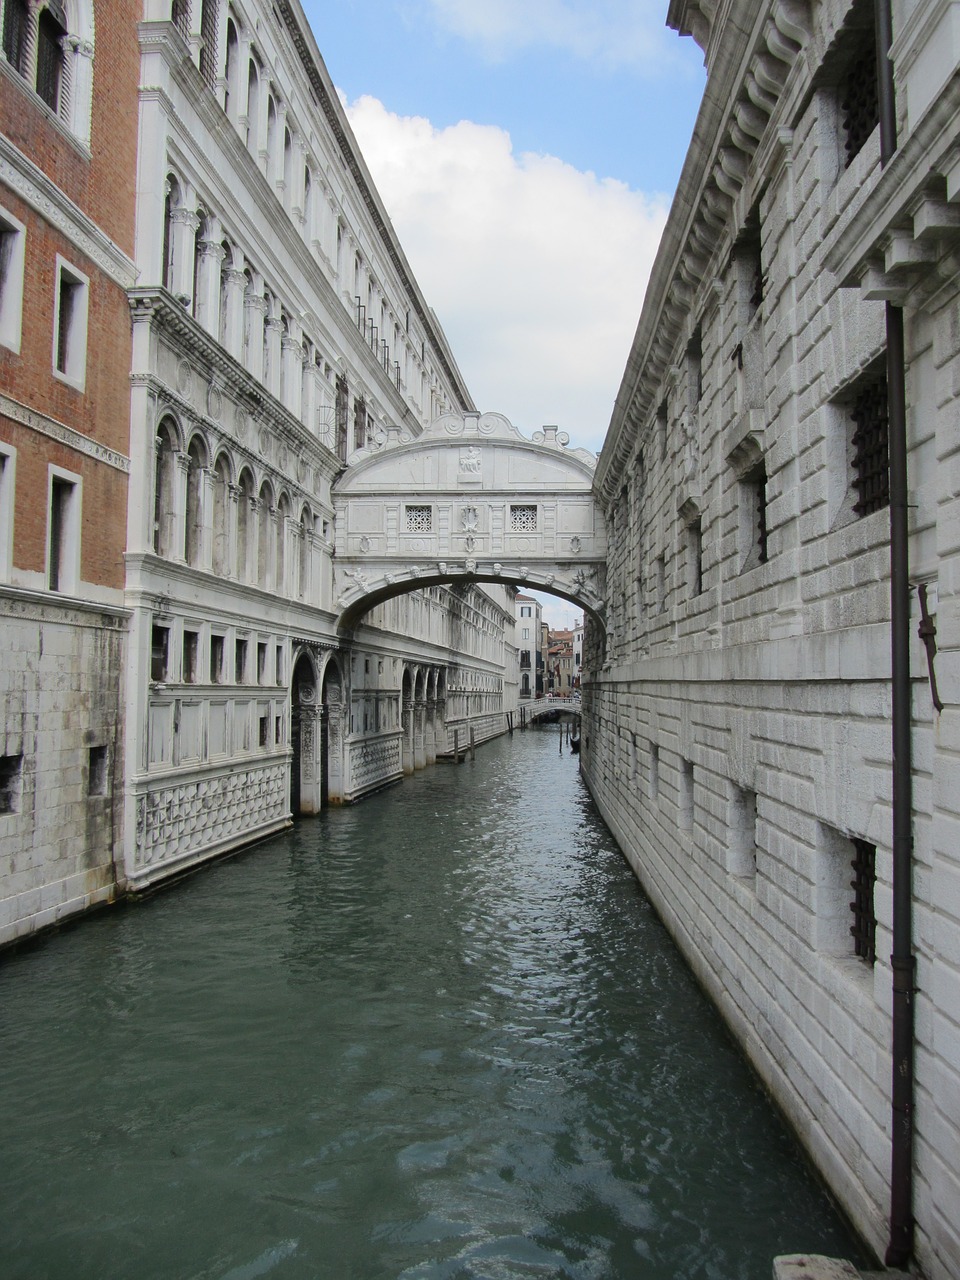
<point x="471" y="499"/>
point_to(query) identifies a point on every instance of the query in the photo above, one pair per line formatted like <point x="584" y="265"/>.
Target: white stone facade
<point x="737" y="728"/>
<point x="278" y="333"/>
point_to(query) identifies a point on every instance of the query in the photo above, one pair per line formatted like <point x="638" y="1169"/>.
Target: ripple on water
<point x="439" y="1034"/>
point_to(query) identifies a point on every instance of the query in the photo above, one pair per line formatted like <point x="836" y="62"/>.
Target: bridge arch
<point x="471" y="499"/>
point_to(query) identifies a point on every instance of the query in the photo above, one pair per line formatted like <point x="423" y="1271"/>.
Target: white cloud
<point x="615" y="33"/>
<point x="535" y="269"/>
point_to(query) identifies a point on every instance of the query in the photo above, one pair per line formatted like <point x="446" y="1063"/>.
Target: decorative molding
<point x="33" y="186"/>
<point x="63" y="434"/>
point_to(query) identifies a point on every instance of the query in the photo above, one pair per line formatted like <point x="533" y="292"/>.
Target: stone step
<point x="814" y="1266"/>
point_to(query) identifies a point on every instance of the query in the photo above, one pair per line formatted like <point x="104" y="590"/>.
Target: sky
<point x="526" y="152"/>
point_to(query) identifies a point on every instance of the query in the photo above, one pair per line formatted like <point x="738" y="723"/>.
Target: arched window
<point x="164" y="509"/>
<point x="308" y="211"/>
<point x="248" y="292"/>
<point x="196" y="461"/>
<point x="287" y="168"/>
<point x="253" y="106"/>
<point x="271" y="133"/>
<point x="231" y="71"/>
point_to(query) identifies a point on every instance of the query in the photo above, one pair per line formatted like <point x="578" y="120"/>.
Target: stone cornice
<point x="32" y="185"/>
<point x="51" y="606"/>
<point x="890" y="247"/>
<point x="157" y="306"/>
<point x="63" y="434"/>
<point x="754" y="48"/>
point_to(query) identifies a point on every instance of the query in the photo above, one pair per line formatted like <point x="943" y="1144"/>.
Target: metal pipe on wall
<point x="900" y="1246"/>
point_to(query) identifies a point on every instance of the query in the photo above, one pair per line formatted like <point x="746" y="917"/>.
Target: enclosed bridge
<point x="471" y="499"/>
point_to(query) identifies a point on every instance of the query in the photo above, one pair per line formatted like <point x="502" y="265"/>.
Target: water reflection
<point x="437" y="1035"/>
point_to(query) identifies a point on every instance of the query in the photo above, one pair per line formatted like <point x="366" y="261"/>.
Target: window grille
<point x="864" y="927"/>
<point x="755" y="493"/>
<point x="208" y="42"/>
<point x="871" y="451"/>
<point x="523" y="519"/>
<point x="180" y="15"/>
<point x="419" y="519"/>
<point x="858" y="96"/>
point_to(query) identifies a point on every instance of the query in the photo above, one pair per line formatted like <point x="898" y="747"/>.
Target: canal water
<point x="436" y="1036"/>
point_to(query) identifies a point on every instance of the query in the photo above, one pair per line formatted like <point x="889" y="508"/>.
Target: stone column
<point x="253" y="542"/>
<point x="291" y="355"/>
<point x="231" y="316"/>
<point x="239" y="114"/>
<point x="206" y="305"/>
<point x="178" y="543"/>
<point x="406" y="719"/>
<point x="254" y="316"/>
<point x="207" y="481"/>
<point x="183" y="230"/>
<point x="232" y="503"/>
<point x="272" y="341"/>
<point x="419" y="744"/>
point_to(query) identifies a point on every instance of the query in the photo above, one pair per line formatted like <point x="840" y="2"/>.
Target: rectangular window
<point x="216" y="659"/>
<point x="753" y="513"/>
<point x="12" y="250"/>
<point x="280" y="664"/>
<point x="11" y="780"/>
<point x="525" y="611"/>
<point x="263" y="729"/>
<point x="63" y="532"/>
<point x="695" y="368"/>
<point x="660" y="584"/>
<point x="870" y="446"/>
<point x="240" y="660"/>
<point x="278" y="730"/>
<point x="742" y="833"/>
<point x="97" y="771"/>
<point x="262" y="662"/>
<point x="526" y="633"/>
<point x="70" y="325"/>
<point x="419" y="519"/>
<point x="159" y="653"/>
<point x="191" y="648"/>
<point x="685" y="796"/>
<point x="694" y="532"/>
<point x="523" y="519"/>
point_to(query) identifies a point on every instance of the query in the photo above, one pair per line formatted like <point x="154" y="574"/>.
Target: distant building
<point x="529" y="659"/>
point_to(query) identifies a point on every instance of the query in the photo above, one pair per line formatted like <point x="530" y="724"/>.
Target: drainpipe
<point x="900" y="1246"/>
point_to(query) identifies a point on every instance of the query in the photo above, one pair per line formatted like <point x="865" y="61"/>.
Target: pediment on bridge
<point x="464" y="452"/>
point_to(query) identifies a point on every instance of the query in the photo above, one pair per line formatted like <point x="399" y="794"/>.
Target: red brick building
<point x="68" y="163"/>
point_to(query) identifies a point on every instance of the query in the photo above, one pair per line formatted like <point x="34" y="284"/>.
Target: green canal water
<point x="439" y="1035"/>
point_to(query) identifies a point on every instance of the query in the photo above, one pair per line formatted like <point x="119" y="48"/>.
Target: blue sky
<point x="527" y="152"/>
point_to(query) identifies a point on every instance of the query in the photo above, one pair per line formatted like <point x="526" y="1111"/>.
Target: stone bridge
<point x="469" y="500"/>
